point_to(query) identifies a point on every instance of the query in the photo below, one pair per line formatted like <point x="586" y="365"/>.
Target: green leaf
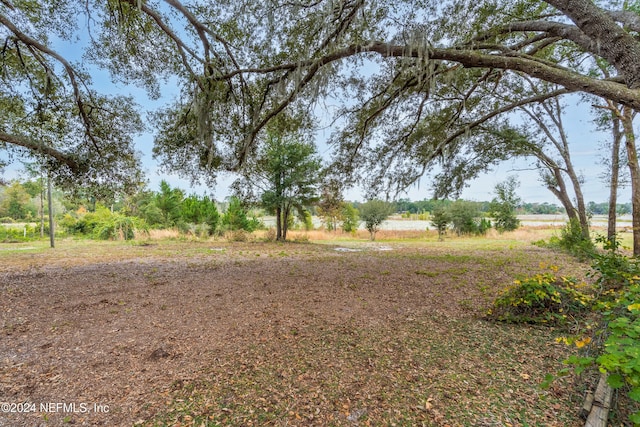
<point x="548" y="379"/>
<point x="635" y="394"/>
<point x="615" y="381"/>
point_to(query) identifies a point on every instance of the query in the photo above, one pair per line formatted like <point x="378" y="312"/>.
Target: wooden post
<point x="601" y="404"/>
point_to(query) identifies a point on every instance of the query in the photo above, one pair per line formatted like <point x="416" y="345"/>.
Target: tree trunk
<point x="581" y="207"/>
<point x="285" y="222"/>
<point x="615" y="175"/>
<point x="278" y="223"/>
<point x="561" y="193"/>
<point x="608" y="39"/>
<point x="632" y="159"/>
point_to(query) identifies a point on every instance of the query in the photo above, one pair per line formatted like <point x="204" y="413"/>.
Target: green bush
<point x="612" y="270"/>
<point x="543" y="298"/>
<point x="440" y="220"/>
<point x="118" y="227"/>
<point x="103" y="224"/>
<point x="19" y="234"/>
<point x="573" y="240"/>
<point x="235" y="218"/>
<point x="350" y="218"/>
<point x="618" y="304"/>
<point x="466" y="218"/>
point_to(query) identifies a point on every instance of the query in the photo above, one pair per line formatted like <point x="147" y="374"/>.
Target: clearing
<point x="216" y="333"/>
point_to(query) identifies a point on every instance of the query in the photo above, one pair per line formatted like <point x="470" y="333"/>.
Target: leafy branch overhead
<point x="52" y="113"/>
<point x="408" y="85"/>
<point x="411" y="84"/>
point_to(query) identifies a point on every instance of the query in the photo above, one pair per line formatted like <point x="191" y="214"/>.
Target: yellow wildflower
<point x="584" y="341"/>
<point x="632" y="307"/>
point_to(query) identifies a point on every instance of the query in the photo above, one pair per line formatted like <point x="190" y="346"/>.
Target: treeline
<point x="172" y="208"/>
<point x="145" y="210"/>
<point x="168" y="208"/>
<point x="545" y="208"/>
<point x="426" y="206"/>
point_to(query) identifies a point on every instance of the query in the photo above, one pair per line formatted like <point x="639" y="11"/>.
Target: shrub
<point x="235" y="218"/>
<point x="19" y="234"/>
<point x="465" y="218"/>
<point x="118" y="227"/>
<point x="612" y="270"/>
<point x="350" y="218"/>
<point x="618" y="303"/>
<point x="270" y="235"/>
<point x="483" y="227"/>
<point x="374" y="213"/>
<point x="543" y="298"/>
<point x="301" y="238"/>
<point x="7" y="220"/>
<point x="440" y="220"/>
<point x="572" y="239"/>
<point x="237" y="236"/>
<point x="103" y="224"/>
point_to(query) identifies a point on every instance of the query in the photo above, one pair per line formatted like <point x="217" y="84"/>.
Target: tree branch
<point x="68" y="69"/>
<point x="38" y="147"/>
<point x="506" y="108"/>
<point x="612" y="42"/>
<point x="609" y="89"/>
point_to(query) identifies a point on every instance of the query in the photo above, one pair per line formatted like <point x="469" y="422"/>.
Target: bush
<point x="350" y="218"/>
<point x="374" y="213"/>
<point x="235" y="218"/>
<point x="548" y="299"/>
<point x="440" y="220"/>
<point x="612" y="270"/>
<point x="103" y="224"/>
<point x="199" y="230"/>
<point x="543" y="298"/>
<point x="19" y="234"/>
<point x="619" y="304"/>
<point x="237" y="236"/>
<point x="466" y="219"/>
<point x="572" y="239"/>
<point x="270" y="235"/>
<point x="119" y="227"/>
<point x="7" y="220"/>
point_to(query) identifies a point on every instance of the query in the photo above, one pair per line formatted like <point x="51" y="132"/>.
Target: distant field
<point x="398" y="223"/>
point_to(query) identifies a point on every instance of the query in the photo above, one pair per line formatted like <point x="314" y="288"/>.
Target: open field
<point x="346" y="332"/>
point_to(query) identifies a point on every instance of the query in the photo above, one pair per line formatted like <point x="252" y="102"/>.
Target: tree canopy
<point x="51" y="113"/>
<point x="413" y="86"/>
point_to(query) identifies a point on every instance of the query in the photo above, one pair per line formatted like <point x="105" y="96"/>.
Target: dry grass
<point x="170" y="233"/>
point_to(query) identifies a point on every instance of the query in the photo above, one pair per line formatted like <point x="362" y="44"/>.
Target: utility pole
<point x="50" y="203"/>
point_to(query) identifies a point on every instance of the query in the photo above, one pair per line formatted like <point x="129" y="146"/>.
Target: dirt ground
<point x="107" y="341"/>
